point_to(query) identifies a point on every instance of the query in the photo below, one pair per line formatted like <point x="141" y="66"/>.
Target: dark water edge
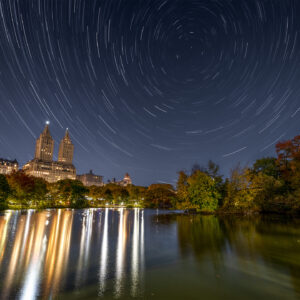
<point x="147" y="254"/>
<point x="218" y="212"/>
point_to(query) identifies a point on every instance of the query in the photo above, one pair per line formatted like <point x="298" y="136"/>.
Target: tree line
<point x="270" y="185"/>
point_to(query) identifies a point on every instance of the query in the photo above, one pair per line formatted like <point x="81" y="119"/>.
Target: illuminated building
<point x="43" y="165"/>
<point x="90" y="179"/>
<point x="8" y="166"/>
<point x="66" y="149"/>
<point x="126" y="180"/>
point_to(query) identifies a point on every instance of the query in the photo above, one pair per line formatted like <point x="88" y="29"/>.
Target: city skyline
<point x="43" y="165"/>
<point x="150" y="87"/>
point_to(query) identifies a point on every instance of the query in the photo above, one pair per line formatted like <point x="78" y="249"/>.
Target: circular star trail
<point x="150" y="87"/>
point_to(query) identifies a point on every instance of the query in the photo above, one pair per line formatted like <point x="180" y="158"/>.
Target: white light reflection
<point x="25" y="234"/>
<point x="142" y="248"/>
<point x="4" y="222"/>
<point x="135" y="253"/>
<point x="137" y="257"/>
<point x="104" y="255"/>
<point x="33" y="277"/>
<point x="120" y="254"/>
<point x="85" y="243"/>
<point x="36" y="255"/>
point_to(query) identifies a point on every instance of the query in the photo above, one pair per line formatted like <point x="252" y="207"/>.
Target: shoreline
<point x="189" y="212"/>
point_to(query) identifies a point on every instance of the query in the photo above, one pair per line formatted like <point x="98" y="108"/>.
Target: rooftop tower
<point x="44" y="145"/>
<point x="66" y="149"/>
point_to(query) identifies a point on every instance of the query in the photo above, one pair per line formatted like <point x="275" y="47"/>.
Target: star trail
<point x="150" y="86"/>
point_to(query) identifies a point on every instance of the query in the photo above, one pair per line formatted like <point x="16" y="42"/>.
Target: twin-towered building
<point x="45" y="167"/>
<point x="43" y="164"/>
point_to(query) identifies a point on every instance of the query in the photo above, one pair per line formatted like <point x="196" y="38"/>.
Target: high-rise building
<point x="44" y="145"/>
<point x="66" y="149"/>
<point x="43" y="165"/>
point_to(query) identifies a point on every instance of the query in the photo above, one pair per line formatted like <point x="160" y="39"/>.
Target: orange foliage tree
<point x="288" y="160"/>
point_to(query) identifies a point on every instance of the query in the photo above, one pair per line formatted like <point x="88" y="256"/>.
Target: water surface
<point x="148" y="254"/>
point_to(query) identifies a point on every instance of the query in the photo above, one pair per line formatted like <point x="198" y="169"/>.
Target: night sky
<point x="152" y="86"/>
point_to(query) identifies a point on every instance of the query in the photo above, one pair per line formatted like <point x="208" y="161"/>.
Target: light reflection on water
<point x="39" y="254"/>
<point x="104" y="255"/>
<point x="123" y="253"/>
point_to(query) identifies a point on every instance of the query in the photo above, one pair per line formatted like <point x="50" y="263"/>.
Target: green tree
<point x="267" y="166"/>
<point x="203" y="192"/>
<point x="4" y="192"/>
<point x="136" y="193"/>
<point x="108" y="196"/>
<point x="120" y="194"/>
<point x="40" y="191"/>
<point x="71" y="193"/>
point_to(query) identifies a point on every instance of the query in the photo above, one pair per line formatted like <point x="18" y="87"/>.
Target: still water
<point x="148" y="254"/>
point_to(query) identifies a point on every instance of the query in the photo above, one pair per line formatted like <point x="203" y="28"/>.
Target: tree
<point x="40" y="191"/>
<point x="239" y="194"/>
<point x="4" y="192"/>
<point x="108" y="195"/>
<point x="71" y="193"/>
<point x="22" y="188"/>
<point x="160" y="195"/>
<point x="136" y="193"/>
<point x="265" y="190"/>
<point x="203" y="193"/>
<point x="182" y="190"/>
<point x="120" y="194"/>
<point x="267" y="166"/>
<point x="288" y="161"/>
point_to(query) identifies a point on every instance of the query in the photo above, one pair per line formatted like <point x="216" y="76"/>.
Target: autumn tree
<point x="288" y="161"/>
<point x="240" y="196"/>
<point x="182" y="187"/>
<point x="160" y="195"/>
<point x="22" y="188"/>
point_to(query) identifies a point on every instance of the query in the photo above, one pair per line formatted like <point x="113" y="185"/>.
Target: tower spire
<point x="44" y="145"/>
<point x="67" y="136"/>
<point x="66" y="149"/>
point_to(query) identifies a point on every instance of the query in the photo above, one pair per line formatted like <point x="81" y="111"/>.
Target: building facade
<point x="8" y="166"/>
<point x="66" y="150"/>
<point x="43" y="165"/>
<point x="90" y="179"/>
<point x="124" y="182"/>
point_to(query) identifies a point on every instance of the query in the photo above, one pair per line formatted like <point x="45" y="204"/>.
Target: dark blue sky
<point x="152" y="86"/>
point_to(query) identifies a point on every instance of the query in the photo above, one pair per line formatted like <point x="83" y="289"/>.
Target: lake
<point x="149" y="254"/>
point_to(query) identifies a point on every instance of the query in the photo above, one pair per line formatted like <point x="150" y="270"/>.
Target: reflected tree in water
<point x="269" y="240"/>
